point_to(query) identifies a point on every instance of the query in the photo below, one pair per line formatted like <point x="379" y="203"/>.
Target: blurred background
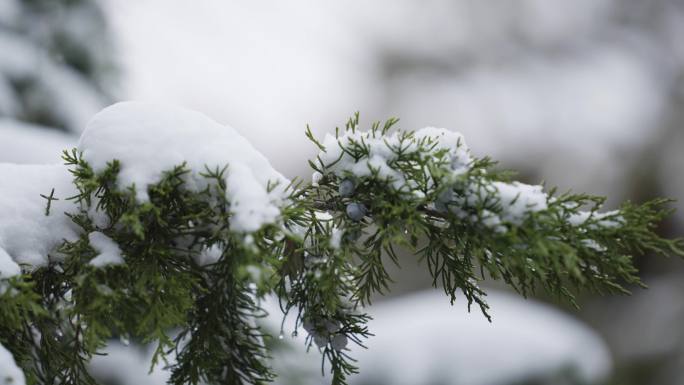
<point x="586" y="95"/>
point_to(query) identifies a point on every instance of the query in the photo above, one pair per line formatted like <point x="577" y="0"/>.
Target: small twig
<point x="49" y="199"/>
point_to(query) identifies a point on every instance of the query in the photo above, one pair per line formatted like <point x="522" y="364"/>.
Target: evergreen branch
<point x="190" y="283"/>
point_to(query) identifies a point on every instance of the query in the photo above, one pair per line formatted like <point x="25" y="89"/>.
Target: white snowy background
<point x="587" y="94"/>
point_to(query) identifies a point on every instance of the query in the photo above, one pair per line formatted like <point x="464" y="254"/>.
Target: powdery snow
<point x="518" y="200"/>
<point x="209" y="255"/>
<point x="382" y="152"/>
<point x="109" y="252"/>
<point x="149" y="139"/>
<point x="595" y="219"/>
<point x="10" y="374"/>
<point x="27" y="235"/>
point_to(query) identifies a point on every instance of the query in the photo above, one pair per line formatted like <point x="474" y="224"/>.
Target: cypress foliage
<point x="374" y="192"/>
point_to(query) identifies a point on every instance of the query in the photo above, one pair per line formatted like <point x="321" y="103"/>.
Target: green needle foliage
<point x="324" y="259"/>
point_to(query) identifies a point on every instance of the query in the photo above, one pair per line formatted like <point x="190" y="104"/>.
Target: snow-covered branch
<point x="168" y="228"/>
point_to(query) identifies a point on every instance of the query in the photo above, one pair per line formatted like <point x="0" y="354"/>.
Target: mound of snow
<point x="149" y="139"/>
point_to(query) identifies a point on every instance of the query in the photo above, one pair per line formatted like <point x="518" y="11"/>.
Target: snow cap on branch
<point x="383" y="150"/>
<point x="149" y="139"/>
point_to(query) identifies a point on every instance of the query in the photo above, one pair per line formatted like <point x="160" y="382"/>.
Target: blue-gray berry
<point x="346" y="188"/>
<point x="441" y="207"/>
<point x="320" y="340"/>
<point x="309" y="326"/>
<point x="332" y="326"/>
<point x="339" y="342"/>
<point x="446" y="195"/>
<point x="356" y="211"/>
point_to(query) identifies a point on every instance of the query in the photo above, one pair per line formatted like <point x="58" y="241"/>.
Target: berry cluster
<point x="324" y="331"/>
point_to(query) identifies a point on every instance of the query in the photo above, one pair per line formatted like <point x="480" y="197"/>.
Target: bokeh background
<point x="586" y="95"/>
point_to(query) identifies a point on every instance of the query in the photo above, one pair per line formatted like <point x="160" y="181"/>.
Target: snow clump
<point x="149" y="139"/>
<point x="109" y="252"/>
<point x="495" y="204"/>
<point x="383" y="152"/>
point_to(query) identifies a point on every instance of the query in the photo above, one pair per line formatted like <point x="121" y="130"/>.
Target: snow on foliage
<point x="28" y="232"/>
<point x="518" y="199"/>
<point x="149" y="139"/>
<point x="608" y="219"/>
<point x="161" y="186"/>
<point x="384" y="150"/>
<point x="10" y="374"/>
<point x="109" y="252"/>
<point x="365" y="154"/>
